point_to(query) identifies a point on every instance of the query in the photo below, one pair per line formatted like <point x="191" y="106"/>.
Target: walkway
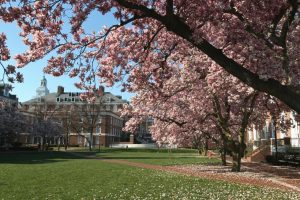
<point x="259" y="174"/>
<point x="283" y="178"/>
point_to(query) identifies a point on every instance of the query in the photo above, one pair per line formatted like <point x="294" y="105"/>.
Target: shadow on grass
<point x="144" y="157"/>
<point x="134" y="157"/>
<point x="40" y="157"/>
<point x="169" y="160"/>
<point x="111" y="150"/>
<point x="2" y="184"/>
<point x="55" y="156"/>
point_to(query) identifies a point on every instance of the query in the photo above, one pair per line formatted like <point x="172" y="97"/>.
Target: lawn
<point x="61" y="175"/>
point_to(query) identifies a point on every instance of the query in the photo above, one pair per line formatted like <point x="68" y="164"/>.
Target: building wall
<point x="265" y="134"/>
<point x="59" y="106"/>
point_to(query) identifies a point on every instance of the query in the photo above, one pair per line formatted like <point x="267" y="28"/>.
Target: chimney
<point x="101" y="88"/>
<point x="60" y="90"/>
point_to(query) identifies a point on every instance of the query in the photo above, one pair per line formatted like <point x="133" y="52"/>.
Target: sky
<point x="33" y="72"/>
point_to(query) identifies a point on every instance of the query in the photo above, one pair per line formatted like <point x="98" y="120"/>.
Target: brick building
<point x="266" y="134"/>
<point x="263" y="140"/>
<point x="102" y="117"/>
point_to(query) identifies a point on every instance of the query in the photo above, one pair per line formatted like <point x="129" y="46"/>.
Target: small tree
<point x="45" y="125"/>
<point x="12" y="123"/>
<point x="85" y="118"/>
<point x="66" y="117"/>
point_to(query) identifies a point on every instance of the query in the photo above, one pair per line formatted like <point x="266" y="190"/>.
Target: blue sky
<point x="33" y="72"/>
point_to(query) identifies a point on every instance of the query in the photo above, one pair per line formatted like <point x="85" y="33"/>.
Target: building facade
<point x="274" y="137"/>
<point x="143" y="134"/>
<point x="78" y="118"/>
<point x="6" y="97"/>
<point x="290" y="134"/>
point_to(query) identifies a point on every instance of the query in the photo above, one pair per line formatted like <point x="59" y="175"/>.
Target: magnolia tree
<point x="8" y="71"/>
<point x="255" y="41"/>
<point x="45" y="124"/>
<point x="12" y="124"/>
<point x="46" y="130"/>
<point x="193" y="103"/>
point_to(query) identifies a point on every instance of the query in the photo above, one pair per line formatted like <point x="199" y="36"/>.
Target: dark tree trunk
<point x="90" y="145"/>
<point x="205" y="147"/>
<point x="66" y="140"/>
<point x="42" y="144"/>
<point x="199" y="150"/>
<point x="90" y="140"/>
<point x="236" y="162"/>
<point x="224" y="152"/>
<point x="237" y="154"/>
<point x="223" y="158"/>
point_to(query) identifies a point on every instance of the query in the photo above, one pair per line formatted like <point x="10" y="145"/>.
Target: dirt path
<point x="258" y="174"/>
<point x="253" y="174"/>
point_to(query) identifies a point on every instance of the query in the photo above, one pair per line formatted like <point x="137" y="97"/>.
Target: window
<point x="115" y="108"/>
<point x="98" y="129"/>
<point x="57" y="99"/>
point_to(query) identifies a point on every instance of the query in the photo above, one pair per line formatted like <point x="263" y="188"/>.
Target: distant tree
<point x="85" y="118"/>
<point x="48" y="130"/>
<point x="66" y="117"/>
<point x="45" y="125"/>
<point x="12" y="123"/>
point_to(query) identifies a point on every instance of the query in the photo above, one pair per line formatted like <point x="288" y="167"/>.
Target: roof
<point x="74" y="97"/>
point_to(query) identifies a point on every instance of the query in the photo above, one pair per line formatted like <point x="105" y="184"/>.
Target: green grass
<point x="60" y="175"/>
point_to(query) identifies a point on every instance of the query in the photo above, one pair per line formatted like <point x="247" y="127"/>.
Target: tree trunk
<point x="66" y="140"/>
<point x="236" y="162"/>
<point x="90" y="145"/>
<point x="223" y="158"/>
<point x="91" y="140"/>
<point x="199" y="151"/>
<point x="237" y="154"/>
<point x="58" y="143"/>
<point x="199" y="148"/>
<point x="205" y="147"/>
<point x="42" y="144"/>
<point x="223" y="152"/>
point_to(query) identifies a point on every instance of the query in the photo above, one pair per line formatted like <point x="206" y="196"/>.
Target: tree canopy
<point x="255" y="41"/>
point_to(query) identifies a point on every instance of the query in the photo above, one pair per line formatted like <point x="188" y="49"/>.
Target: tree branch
<point x="169" y="8"/>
